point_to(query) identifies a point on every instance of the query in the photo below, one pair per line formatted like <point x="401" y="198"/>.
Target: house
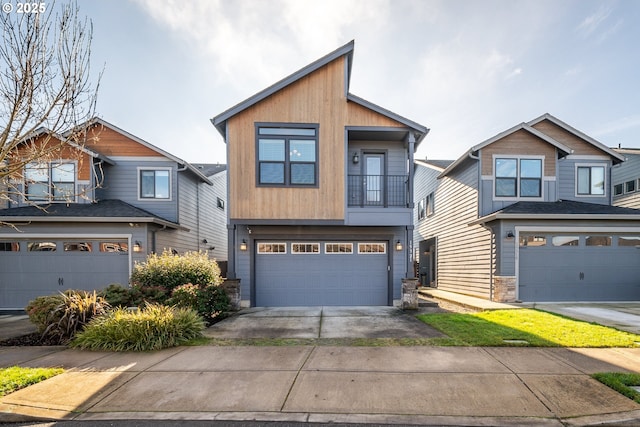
<point x="625" y="178"/>
<point x="83" y="220"/>
<point x="320" y="198"/>
<point x="527" y="215"/>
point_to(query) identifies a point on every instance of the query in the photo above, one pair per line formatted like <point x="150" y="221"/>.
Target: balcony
<point x="381" y="191"/>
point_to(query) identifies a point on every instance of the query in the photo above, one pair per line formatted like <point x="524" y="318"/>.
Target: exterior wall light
<point x="510" y="235"/>
<point x="355" y="158"/>
<point x="243" y="245"/>
<point x="137" y="246"/>
<point x="398" y="245"/>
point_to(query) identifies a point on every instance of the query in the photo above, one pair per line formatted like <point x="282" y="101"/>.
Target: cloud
<point x="593" y="21"/>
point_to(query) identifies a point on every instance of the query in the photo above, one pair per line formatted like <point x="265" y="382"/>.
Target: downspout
<point x="411" y="141"/>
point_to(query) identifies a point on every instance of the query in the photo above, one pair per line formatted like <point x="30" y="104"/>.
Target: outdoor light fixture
<point x="510" y="235"/>
<point x="398" y="245"/>
<point x="137" y="246"/>
<point x="356" y="158"/>
<point x="243" y="245"/>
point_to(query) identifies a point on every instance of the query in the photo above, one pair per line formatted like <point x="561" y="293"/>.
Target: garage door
<point x="34" y="267"/>
<point x="579" y="267"/>
<point x="321" y="274"/>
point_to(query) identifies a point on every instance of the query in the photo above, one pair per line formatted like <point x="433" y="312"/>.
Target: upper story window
<point x="155" y="183"/>
<point x="590" y="180"/>
<point x="518" y="177"/>
<point x="630" y="186"/>
<point x="47" y="182"/>
<point x="287" y="155"/>
<point x="617" y="189"/>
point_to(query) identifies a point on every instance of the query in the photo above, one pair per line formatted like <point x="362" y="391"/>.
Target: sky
<point x="467" y="70"/>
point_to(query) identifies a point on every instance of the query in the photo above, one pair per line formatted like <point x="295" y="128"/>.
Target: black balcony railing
<point x="378" y="190"/>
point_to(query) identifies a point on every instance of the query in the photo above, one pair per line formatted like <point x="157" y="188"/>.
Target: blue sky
<point x="466" y="69"/>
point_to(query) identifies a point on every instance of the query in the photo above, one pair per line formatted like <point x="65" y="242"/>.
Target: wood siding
<point x="60" y="151"/>
<point x="111" y="143"/>
<point x="579" y="146"/>
<point x="520" y="143"/>
<point x="463" y="252"/>
<point x="317" y="98"/>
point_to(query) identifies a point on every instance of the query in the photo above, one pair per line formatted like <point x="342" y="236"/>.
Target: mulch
<point x="28" y="340"/>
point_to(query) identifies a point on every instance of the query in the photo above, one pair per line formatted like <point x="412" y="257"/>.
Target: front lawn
<point x="526" y="327"/>
<point x="621" y="382"/>
<point x="15" y="378"/>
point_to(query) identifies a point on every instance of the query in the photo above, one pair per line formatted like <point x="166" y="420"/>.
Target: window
<point x="630" y="186"/>
<point x="518" y="177"/>
<point x="9" y="246"/>
<point x="590" y="180"/>
<point x="422" y="212"/>
<point x="338" y="248"/>
<point x="617" y="189"/>
<point x="115" y="247"/>
<point x="78" y="246"/>
<point x="305" y="248"/>
<point x="220" y="203"/>
<point x="430" y="206"/>
<point x="629" y="241"/>
<point x="272" y="248"/>
<point x="372" y="248"/>
<point x="565" y="240"/>
<point x="532" y="240"/>
<point x="41" y="246"/>
<point x="598" y="241"/>
<point x="50" y="181"/>
<point x="155" y="184"/>
<point x="287" y="155"/>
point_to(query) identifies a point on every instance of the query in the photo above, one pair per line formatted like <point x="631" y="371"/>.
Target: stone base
<point x="504" y="289"/>
<point x="232" y="288"/>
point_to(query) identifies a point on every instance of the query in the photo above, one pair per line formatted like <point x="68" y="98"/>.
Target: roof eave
<point x="107" y="219"/>
<point x="497" y="216"/>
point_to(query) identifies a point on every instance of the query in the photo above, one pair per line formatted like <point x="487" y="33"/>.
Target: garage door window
<point x="115" y="247"/>
<point x="305" y="248"/>
<point x="372" y="248"/>
<point x="629" y="241"/>
<point x="598" y="240"/>
<point x="338" y="248"/>
<point x="565" y="240"/>
<point x="272" y="248"/>
<point x="78" y="246"/>
<point x="42" y="246"/>
<point x="9" y="246"/>
<point x="532" y="240"/>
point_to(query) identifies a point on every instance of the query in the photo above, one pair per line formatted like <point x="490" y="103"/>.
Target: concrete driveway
<point x="621" y="315"/>
<point x="322" y="322"/>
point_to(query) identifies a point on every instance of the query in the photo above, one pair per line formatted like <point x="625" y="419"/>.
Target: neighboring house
<point x="85" y="219"/>
<point x="320" y="198"/>
<point x="625" y="179"/>
<point x="527" y="215"/>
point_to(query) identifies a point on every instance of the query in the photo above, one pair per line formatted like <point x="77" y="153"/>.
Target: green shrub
<point x="40" y="309"/>
<point x="169" y="271"/>
<point x="151" y="328"/>
<point x="209" y="301"/>
<point x="117" y="295"/>
<point x="72" y="314"/>
<point x="140" y="295"/>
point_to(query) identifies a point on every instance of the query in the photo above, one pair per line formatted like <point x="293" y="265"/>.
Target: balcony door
<point x="374" y="171"/>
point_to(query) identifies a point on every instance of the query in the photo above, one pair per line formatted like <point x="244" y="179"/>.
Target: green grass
<point x="621" y="383"/>
<point x="15" y="378"/>
<point x="537" y="328"/>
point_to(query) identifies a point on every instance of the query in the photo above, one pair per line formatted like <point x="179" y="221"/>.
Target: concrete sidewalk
<point x="395" y="385"/>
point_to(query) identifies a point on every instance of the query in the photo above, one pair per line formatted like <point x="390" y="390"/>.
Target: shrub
<point x="40" y="309"/>
<point x="117" y="295"/>
<point x="72" y="314"/>
<point x="170" y="271"/>
<point x="209" y="301"/>
<point x="151" y="328"/>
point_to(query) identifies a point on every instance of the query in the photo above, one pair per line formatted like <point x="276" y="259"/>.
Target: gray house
<point x="527" y="215"/>
<point x="625" y="179"/>
<point x="126" y="199"/>
<point x="320" y="199"/>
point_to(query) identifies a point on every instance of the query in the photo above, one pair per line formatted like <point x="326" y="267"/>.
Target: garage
<point x="578" y="266"/>
<point x="36" y="266"/>
<point x="321" y="273"/>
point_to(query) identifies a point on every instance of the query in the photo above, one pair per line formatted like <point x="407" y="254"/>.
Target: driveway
<point x="620" y="315"/>
<point x="322" y="322"/>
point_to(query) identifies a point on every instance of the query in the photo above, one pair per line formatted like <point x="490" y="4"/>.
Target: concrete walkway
<point x="395" y="385"/>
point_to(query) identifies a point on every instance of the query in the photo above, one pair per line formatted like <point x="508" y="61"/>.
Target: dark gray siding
<point x="567" y="180"/>
<point x="489" y="205"/>
<point x="627" y="171"/>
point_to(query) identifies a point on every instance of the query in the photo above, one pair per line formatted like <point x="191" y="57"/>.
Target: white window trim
<point x="492" y="177"/>
<point x="338" y="243"/>
<point x="590" y="165"/>
<point x="635" y="184"/>
<point x="305" y="253"/>
<point x="372" y="243"/>
<point x="152" y="168"/>
<point x="76" y="182"/>
<point x="271" y="243"/>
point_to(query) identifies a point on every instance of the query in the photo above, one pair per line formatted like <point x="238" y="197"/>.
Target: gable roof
<point x="103" y="211"/>
<point x="579" y="134"/>
<point x="220" y="120"/>
<point x="562" y="209"/>
<point x="438" y="165"/>
<point x="191" y="168"/>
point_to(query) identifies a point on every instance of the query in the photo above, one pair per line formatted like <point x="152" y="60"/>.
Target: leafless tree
<point x="46" y="90"/>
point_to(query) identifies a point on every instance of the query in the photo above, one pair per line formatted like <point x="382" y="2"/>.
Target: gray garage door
<point x="36" y="267"/>
<point x="321" y="274"/>
<point x="579" y="267"/>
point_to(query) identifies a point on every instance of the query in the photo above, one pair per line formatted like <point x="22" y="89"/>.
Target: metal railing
<point x="378" y="190"/>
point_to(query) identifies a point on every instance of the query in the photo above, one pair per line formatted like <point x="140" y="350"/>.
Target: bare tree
<point x="45" y="93"/>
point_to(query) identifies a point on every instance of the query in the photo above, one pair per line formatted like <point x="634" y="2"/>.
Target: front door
<point x="374" y="170"/>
